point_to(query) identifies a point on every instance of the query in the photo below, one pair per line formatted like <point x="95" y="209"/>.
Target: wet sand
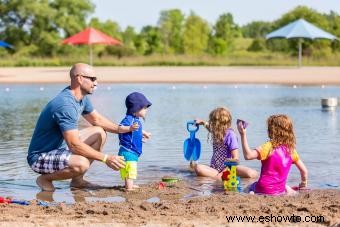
<point x="151" y="206"/>
<point x="238" y="75"/>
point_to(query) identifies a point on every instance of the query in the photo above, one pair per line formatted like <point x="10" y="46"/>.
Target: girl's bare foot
<point x="45" y="184"/>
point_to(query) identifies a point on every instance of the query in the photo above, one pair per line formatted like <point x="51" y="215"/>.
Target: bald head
<point x="81" y="69"/>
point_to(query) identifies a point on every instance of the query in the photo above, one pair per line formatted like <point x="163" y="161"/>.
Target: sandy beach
<point x="151" y="206"/>
<point x="234" y="75"/>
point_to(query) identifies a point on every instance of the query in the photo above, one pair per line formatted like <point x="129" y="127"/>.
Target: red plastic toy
<point x="225" y="175"/>
<point x="4" y="200"/>
<point x="20" y="202"/>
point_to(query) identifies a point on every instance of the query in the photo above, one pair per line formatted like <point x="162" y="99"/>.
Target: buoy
<point x="329" y="102"/>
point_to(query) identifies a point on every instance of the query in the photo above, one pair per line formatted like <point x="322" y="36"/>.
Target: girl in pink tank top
<point x="277" y="155"/>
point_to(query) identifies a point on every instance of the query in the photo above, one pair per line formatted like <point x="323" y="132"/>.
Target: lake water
<point x="317" y="131"/>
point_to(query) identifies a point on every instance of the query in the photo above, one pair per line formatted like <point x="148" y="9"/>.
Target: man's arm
<point x="99" y="120"/>
<point x="80" y="148"/>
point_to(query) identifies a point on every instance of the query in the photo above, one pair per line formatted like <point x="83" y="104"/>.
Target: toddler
<point x="131" y="142"/>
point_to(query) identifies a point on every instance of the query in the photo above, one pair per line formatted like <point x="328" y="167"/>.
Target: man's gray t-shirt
<point x="61" y="114"/>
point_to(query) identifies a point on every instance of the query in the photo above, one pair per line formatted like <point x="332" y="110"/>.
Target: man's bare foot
<point x="79" y="184"/>
<point x="44" y="184"/>
<point x="45" y="196"/>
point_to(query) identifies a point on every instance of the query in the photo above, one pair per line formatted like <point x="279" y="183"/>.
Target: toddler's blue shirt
<point x="131" y="141"/>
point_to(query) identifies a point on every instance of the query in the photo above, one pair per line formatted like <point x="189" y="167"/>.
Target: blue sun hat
<point x="135" y="102"/>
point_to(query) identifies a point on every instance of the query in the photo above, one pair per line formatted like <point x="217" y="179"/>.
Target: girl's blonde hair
<point x="219" y="122"/>
<point x="281" y="132"/>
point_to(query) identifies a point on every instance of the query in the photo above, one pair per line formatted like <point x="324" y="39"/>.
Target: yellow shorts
<point x="130" y="170"/>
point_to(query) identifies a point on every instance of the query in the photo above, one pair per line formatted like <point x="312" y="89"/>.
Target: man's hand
<point x="115" y="162"/>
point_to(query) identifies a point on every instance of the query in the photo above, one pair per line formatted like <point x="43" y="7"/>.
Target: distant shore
<point x="228" y="75"/>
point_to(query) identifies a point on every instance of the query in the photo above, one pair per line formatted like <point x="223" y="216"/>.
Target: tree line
<point x="36" y="28"/>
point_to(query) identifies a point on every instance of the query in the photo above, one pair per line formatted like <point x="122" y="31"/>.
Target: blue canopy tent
<point x="300" y="29"/>
<point x="4" y="44"/>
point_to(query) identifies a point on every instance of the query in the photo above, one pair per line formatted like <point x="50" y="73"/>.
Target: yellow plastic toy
<point x="231" y="181"/>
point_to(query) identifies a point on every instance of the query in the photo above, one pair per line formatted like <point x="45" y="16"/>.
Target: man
<point x="58" y="150"/>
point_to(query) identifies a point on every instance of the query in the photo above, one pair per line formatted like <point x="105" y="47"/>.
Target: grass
<point x="237" y="58"/>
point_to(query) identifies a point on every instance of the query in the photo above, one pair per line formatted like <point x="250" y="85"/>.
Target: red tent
<point x="91" y="36"/>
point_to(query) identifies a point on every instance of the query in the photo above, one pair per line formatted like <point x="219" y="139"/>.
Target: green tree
<point x="258" y="44"/>
<point x="71" y="15"/>
<point x="129" y="37"/>
<point x="171" y="26"/>
<point x="128" y="48"/>
<point x="34" y="26"/>
<point x="150" y="40"/>
<point x="109" y="27"/>
<point x="112" y="29"/>
<point x="226" y="28"/>
<point x="306" y="13"/>
<point x="140" y="44"/>
<point x="195" y="35"/>
<point x="334" y="22"/>
<point x="217" y="46"/>
<point x="225" y="31"/>
<point x="256" y="29"/>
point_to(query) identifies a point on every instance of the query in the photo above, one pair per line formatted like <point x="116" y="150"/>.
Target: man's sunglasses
<point x="92" y="78"/>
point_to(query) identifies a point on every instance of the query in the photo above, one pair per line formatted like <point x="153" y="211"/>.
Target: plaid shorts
<point x="52" y="161"/>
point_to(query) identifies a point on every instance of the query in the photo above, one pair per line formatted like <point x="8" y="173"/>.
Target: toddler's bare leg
<point x="129" y="184"/>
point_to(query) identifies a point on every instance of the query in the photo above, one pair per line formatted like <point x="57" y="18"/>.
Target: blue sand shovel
<point x="192" y="146"/>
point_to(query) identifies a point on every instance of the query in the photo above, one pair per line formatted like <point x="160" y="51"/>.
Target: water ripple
<point x="317" y="131"/>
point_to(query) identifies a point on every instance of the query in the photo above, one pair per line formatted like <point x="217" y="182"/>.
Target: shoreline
<point x="316" y="76"/>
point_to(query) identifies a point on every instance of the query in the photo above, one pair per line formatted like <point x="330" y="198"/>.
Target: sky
<point x="139" y="13"/>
